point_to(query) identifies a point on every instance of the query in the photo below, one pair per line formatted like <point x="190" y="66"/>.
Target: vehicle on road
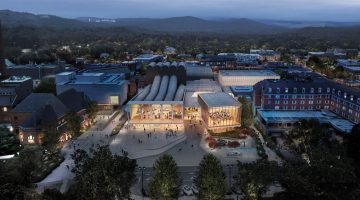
<point x="195" y="189"/>
<point x="187" y="190"/>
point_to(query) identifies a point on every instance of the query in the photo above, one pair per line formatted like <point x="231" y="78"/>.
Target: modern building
<point x="148" y="58"/>
<point x="166" y="68"/>
<point x="108" y="90"/>
<point x="245" y="77"/>
<point x="220" y="111"/>
<point x="278" y="122"/>
<point x="12" y="91"/>
<point x="308" y="95"/>
<point x="165" y="103"/>
<point x="158" y="103"/>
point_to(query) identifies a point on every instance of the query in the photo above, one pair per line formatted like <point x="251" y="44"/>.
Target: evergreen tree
<point x="211" y="179"/>
<point x="166" y="182"/>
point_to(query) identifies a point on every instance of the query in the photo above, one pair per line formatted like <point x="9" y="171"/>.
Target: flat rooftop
<point x="248" y="73"/>
<point x="294" y="116"/>
<point x="242" y="89"/>
<point x="219" y="99"/>
<point x="16" y="79"/>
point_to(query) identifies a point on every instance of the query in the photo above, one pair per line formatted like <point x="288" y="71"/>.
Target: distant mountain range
<point x="191" y="24"/>
<point x="186" y="24"/>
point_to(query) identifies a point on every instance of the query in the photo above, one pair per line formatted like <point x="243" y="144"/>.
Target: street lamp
<point x="229" y="167"/>
<point x="142" y="180"/>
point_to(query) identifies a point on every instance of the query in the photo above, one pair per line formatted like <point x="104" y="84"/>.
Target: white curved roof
<point x="163" y="88"/>
<point x="143" y="93"/>
<point x="172" y="88"/>
<point x="154" y="88"/>
<point x="179" y="93"/>
<point x="174" y="64"/>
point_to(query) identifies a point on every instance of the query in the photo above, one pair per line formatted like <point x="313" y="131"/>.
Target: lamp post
<point x="229" y="167"/>
<point x="142" y="180"/>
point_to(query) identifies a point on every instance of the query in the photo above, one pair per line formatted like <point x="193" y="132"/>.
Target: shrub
<point x="233" y="144"/>
<point x="213" y="144"/>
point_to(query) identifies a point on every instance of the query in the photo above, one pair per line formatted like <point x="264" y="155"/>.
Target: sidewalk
<point x="62" y="174"/>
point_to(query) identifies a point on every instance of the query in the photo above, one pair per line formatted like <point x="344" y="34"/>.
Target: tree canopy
<point x="211" y="179"/>
<point x="103" y="175"/>
<point x="166" y="182"/>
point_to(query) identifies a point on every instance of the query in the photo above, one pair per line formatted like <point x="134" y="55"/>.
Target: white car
<point x="187" y="190"/>
<point x="194" y="189"/>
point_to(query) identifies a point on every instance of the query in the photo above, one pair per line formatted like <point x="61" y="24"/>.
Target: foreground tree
<point x="102" y="175"/>
<point x="211" y="179"/>
<point x="73" y="124"/>
<point x="51" y="138"/>
<point x="166" y="182"/>
<point x="92" y="110"/>
<point x="9" y="144"/>
<point x="352" y="142"/>
<point x="253" y="178"/>
<point x="247" y="117"/>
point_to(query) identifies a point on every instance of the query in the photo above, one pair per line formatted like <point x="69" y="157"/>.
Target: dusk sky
<point x="332" y="10"/>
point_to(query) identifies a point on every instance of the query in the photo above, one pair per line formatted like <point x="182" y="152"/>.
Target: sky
<point x="307" y="10"/>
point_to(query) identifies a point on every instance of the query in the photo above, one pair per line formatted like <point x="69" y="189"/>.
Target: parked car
<point x="233" y="153"/>
<point x="221" y="142"/>
<point x="194" y="189"/>
<point x="187" y="190"/>
<point x="193" y="178"/>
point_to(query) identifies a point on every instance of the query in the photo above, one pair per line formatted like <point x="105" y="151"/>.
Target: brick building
<point x="308" y="95"/>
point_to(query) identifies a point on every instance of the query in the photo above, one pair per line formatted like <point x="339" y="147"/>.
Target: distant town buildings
<point x="267" y="55"/>
<point x="12" y="91"/>
<point x="351" y="66"/>
<point x="148" y="58"/>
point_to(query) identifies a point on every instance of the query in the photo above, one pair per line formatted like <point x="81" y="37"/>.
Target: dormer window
<point x="339" y="92"/>
<point x="278" y="90"/>
<point x="295" y="90"/>
<point x="286" y="90"/>
<point x="311" y="90"/>
<point x="352" y="98"/>
<point x="345" y="95"/>
<point x="328" y="90"/>
<point x="303" y="90"/>
<point x="270" y="90"/>
<point x="319" y="90"/>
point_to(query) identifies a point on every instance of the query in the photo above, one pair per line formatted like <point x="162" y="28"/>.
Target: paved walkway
<point x="141" y="142"/>
<point x="62" y="174"/>
<point x="272" y="156"/>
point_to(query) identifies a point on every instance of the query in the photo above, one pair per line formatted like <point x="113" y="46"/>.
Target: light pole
<point x="142" y="180"/>
<point x="229" y="167"/>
